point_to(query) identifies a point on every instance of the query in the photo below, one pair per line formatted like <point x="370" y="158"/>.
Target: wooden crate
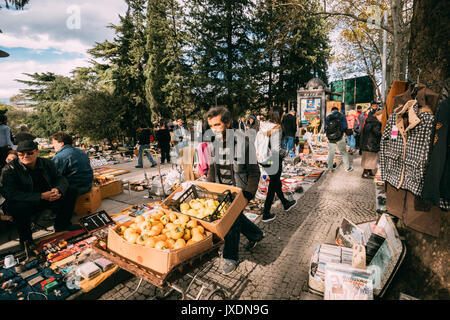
<point x="111" y="188"/>
<point x="89" y="202"/>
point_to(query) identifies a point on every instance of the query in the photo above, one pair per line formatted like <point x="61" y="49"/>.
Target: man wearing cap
<point x="31" y="184"/>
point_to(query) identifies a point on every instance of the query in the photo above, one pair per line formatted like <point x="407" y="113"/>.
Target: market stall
<point x="163" y="242"/>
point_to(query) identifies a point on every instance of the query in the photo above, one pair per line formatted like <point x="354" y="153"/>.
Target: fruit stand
<point x="176" y="239"/>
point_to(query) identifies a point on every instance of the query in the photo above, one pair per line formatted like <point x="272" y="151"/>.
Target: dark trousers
<point x="247" y="228"/>
<point x="22" y="213"/>
<point x="165" y="153"/>
<point x="275" y="186"/>
<point x="357" y="139"/>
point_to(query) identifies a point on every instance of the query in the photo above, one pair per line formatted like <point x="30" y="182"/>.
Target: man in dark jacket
<point x="233" y="164"/>
<point x="163" y="138"/>
<point x="31" y="184"/>
<point x="74" y="165"/>
<point x="143" y="138"/>
<point x="289" y="126"/>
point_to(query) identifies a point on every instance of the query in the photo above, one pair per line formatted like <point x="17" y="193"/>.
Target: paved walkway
<point x="278" y="267"/>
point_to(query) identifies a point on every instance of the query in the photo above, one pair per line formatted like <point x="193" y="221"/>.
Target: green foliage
<point x="220" y="31"/>
<point x="292" y="48"/>
<point x="95" y="114"/>
<point x="52" y="94"/>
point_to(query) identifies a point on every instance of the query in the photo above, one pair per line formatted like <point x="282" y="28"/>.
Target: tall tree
<point x="127" y="56"/>
<point x="293" y="46"/>
<point x="52" y="94"/>
<point x="96" y="114"/>
<point x="166" y="71"/>
<point x="219" y="54"/>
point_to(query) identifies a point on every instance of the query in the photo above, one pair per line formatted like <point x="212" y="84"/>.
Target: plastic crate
<point x="194" y="192"/>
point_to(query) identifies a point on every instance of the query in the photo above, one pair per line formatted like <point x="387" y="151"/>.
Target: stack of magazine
<point x="342" y="282"/>
<point x="328" y="253"/>
<point x="331" y="270"/>
<point x="369" y="234"/>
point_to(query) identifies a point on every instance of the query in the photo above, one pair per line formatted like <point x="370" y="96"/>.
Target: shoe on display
<point x="289" y="205"/>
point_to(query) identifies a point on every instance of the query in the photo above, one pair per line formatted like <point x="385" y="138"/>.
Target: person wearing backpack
<point x="270" y="154"/>
<point x="335" y="127"/>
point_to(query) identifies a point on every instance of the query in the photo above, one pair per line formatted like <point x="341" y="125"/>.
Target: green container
<point x="360" y="88"/>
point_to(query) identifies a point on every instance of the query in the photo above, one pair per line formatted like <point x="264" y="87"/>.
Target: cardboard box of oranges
<point x="160" y="240"/>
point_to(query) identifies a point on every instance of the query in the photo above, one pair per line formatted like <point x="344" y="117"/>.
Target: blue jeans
<point x="288" y="143"/>
<point x="342" y="149"/>
<point x="242" y="225"/>
<point x="351" y="142"/>
<point x="142" y="149"/>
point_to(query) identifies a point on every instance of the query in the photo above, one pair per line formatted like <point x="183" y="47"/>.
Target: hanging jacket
<point x="436" y="188"/>
<point x="371" y="135"/>
<point x="404" y="152"/>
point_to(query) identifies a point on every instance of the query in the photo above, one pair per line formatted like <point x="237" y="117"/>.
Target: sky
<point x="52" y="36"/>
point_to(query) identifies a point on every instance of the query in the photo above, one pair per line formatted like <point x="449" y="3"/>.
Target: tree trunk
<point x="429" y="47"/>
<point x="229" y="73"/>
<point x="424" y="272"/>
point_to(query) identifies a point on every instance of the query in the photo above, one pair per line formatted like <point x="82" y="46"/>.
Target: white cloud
<point x="42" y="42"/>
<point x="15" y="70"/>
<point x="44" y="24"/>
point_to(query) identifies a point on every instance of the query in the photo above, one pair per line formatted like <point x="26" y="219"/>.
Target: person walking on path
<point x="289" y="126"/>
<point x="358" y="127"/>
<point x="351" y="121"/>
<point x="163" y="138"/>
<point x="370" y="143"/>
<point x="143" y="138"/>
<point x="335" y="127"/>
<point x="273" y="166"/>
<point x="227" y="168"/>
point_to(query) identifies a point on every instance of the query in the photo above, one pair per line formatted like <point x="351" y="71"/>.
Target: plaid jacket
<point x="404" y="156"/>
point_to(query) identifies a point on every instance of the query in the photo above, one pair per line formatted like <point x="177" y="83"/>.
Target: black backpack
<point x="334" y="130"/>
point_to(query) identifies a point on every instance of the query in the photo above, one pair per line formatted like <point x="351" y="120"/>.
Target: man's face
<point x="57" y="145"/>
<point x="180" y="122"/>
<point x="216" y="124"/>
<point x="29" y="157"/>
